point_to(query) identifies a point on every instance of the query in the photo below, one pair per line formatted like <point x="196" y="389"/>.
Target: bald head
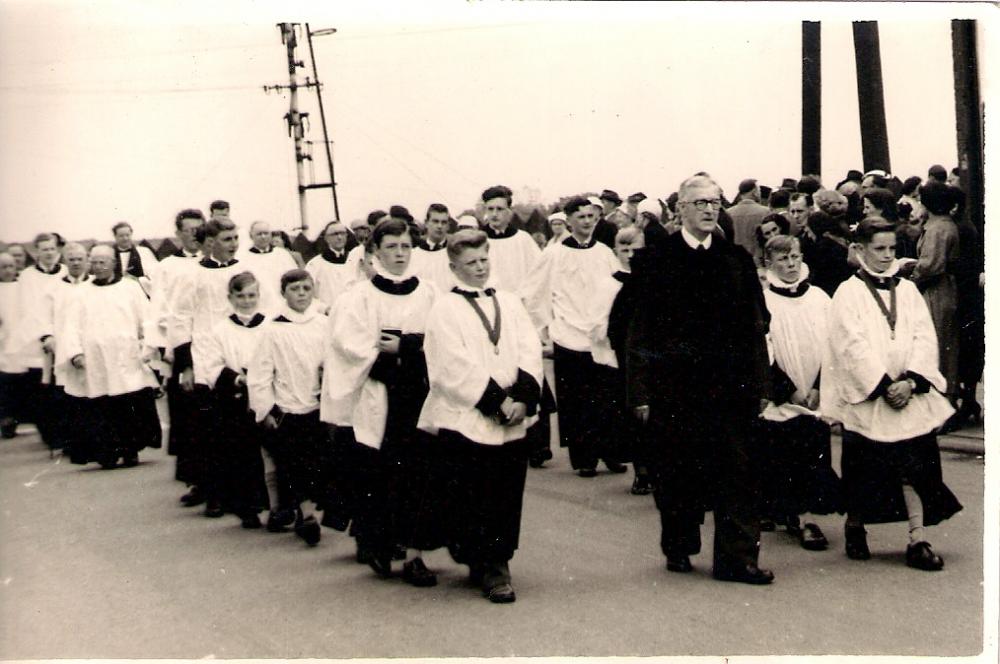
<point x="102" y="261"/>
<point x="75" y="257"/>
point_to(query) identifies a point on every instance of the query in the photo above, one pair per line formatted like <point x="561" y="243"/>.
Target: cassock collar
<point x="693" y="242"/>
<point x="494" y="234"/>
<point x="881" y="280"/>
<point x="289" y="315"/>
<point x="386" y="285"/>
<point x="330" y="256"/>
<point x="797" y="289"/>
<point x="622" y="276"/>
<point x="107" y="282"/>
<point x="53" y="270"/>
<point x="210" y="262"/>
<point x="182" y="253"/>
<point x="427" y="246"/>
<point x="573" y="243"/>
<point x="69" y="280"/>
<point x="473" y="292"/>
<point x="254" y="321"/>
<point x="255" y="250"/>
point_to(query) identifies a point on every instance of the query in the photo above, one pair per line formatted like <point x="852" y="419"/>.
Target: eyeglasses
<point x="703" y="203"/>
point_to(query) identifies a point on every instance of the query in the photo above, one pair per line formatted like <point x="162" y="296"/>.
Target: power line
<point x="58" y="90"/>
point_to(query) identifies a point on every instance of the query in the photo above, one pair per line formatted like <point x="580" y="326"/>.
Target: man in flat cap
<point x="747" y="215"/>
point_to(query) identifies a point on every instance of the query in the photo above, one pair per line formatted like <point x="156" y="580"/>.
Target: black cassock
<point x="696" y="354"/>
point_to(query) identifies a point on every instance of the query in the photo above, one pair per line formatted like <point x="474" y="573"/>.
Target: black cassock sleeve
<point x="782" y="386"/>
<point x="526" y="390"/>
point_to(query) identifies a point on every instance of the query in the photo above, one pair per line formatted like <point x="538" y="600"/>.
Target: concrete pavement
<point x="106" y="564"/>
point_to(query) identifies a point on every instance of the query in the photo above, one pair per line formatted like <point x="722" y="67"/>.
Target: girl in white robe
<point x="798" y="477"/>
<point x="375" y="381"/>
<point x="881" y="381"/>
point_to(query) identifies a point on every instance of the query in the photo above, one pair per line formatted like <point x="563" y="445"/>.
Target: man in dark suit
<point x="697" y="370"/>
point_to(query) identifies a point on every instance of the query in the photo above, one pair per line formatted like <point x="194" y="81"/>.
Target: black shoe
<point x="812" y="538"/>
<point x="399" y="553"/>
<point x="250" y="521"/>
<point x="278" y="520"/>
<point x="108" y="463"/>
<point x="8" y="427"/>
<point x="587" y="472"/>
<point x="640" y="486"/>
<point x="679" y="564"/>
<point x="130" y="460"/>
<point x="213" y="510"/>
<point x="615" y="467"/>
<point x="193" y="498"/>
<point x="750" y="574"/>
<point x="415" y="573"/>
<point x="308" y="530"/>
<point x="502" y="593"/>
<point x="856" y="543"/>
<point x="382" y="564"/>
<point x="767" y="526"/>
<point x="920" y="556"/>
<point x="538" y="459"/>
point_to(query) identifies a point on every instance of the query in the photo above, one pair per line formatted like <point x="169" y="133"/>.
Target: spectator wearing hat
<point x="747" y="215"/>
<point x="557" y="225"/>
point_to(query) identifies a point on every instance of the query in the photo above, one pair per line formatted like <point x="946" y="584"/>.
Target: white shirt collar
<point x="693" y="242"/>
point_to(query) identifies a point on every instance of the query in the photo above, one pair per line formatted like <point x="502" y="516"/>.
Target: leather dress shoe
<point x="381" y="564"/>
<point x="856" y="543"/>
<point x="587" y="472"/>
<point x="250" y="521"/>
<point x="415" y="573"/>
<point x="308" y="530"/>
<point x="130" y="460"/>
<point x="679" y="564"/>
<point x="213" y="510"/>
<point x="615" y="467"/>
<point x="750" y="574"/>
<point x="641" y="486"/>
<point x="278" y="520"/>
<point x="812" y="538"/>
<point x="920" y="556"/>
<point x="502" y="593"/>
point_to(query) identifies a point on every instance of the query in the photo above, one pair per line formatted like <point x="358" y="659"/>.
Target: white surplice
<point x="34" y="302"/>
<point x="461" y="360"/>
<point x="229" y="345"/>
<point x="332" y="279"/>
<point x="511" y="260"/>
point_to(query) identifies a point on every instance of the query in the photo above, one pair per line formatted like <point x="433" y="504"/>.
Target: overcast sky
<point x="114" y="110"/>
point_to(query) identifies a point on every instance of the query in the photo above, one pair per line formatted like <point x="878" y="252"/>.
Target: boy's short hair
<point x="498" y="191"/>
<point x="466" y="238"/>
<point x="628" y="235"/>
<point x="779" y="199"/>
<point x="240" y="282"/>
<point x="435" y="207"/>
<point x="218" y="204"/>
<point x="294" y="276"/>
<point x="214" y="227"/>
<point x="571" y="206"/>
<point x="780" y="244"/>
<point x="120" y="224"/>
<point x="872" y="226"/>
<point x="45" y="237"/>
<point x="937" y="197"/>
<point x="390" y="226"/>
<point x="189" y="213"/>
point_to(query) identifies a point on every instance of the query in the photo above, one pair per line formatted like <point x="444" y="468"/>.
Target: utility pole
<point x="871" y="99"/>
<point x="296" y="119"/>
<point x="968" y="118"/>
<point x="811" y="99"/>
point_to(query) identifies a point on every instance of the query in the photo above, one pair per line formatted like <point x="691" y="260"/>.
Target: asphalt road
<point x="106" y="564"/>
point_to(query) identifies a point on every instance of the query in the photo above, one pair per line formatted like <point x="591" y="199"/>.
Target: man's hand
<point x="240" y="380"/>
<point x="812" y="401"/>
<point x="49" y="344"/>
<point x="898" y="394"/>
<point x="798" y="398"/>
<point x="269" y="422"/>
<point x="388" y="343"/>
<point x="641" y="413"/>
<point x="186" y="380"/>
<point x="78" y="362"/>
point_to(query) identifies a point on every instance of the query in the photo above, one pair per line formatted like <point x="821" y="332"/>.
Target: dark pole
<point x="871" y="102"/>
<point x="968" y="118"/>
<point x="811" y="97"/>
<point x="322" y="119"/>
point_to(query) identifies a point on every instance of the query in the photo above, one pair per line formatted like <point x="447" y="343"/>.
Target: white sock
<point x="915" y="512"/>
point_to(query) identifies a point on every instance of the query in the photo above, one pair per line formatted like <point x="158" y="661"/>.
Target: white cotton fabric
<point x="150" y="268"/>
<point x="332" y="279"/>
<point x="432" y="267"/>
<point x="861" y="351"/>
<point x="34" y="302"/>
<point x="172" y="270"/>
<point x="63" y="298"/>
<point x="227" y="346"/>
<point x="559" y="291"/>
<point x="287" y="368"/>
<point x="603" y="298"/>
<point x="105" y="324"/>
<point x="268" y="269"/>
<point x="511" y="260"/>
<point x="350" y="398"/>
<point x="11" y="317"/>
<point x="798" y="336"/>
<point x="461" y="360"/>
